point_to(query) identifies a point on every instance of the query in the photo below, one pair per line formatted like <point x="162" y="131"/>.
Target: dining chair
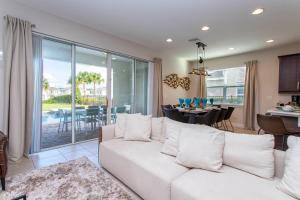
<point x="274" y="125"/>
<point x="208" y="118"/>
<point x="220" y="120"/>
<point x="91" y="118"/>
<point x="65" y="118"/>
<point x="227" y="118"/>
<point x="103" y="114"/>
<point x="169" y="106"/>
<point x="174" y="114"/>
<point x="118" y="109"/>
<point x="80" y="115"/>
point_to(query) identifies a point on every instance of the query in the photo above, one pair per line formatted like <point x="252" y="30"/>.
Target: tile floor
<point x="46" y="158"/>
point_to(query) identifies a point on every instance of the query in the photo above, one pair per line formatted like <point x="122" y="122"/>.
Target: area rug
<point x="78" y="179"/>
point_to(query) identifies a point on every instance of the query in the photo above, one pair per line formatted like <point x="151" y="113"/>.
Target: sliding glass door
<point x="56" y="94"/>
<point x="122" y="85"/>
<point x="90" y="90"/>
<point x="79" y="89"/>
<point x="141" y="89"/>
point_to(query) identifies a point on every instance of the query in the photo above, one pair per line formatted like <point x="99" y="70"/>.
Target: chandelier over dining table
<point x="200" y="68"/>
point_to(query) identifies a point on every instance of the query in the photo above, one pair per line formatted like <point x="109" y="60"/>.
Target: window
<point x="226" y="86"/>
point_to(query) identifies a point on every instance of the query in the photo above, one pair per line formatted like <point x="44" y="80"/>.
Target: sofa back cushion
<point x="120" y="125"/>
<point x="250" y="153"/>
<point x="171" y="131"/>
<point x="201" y="150"/>
<point x="157" y="129"/>
<point x="138" y="128"/>
<point x="279" y="163"/>
<point x="290" y="182"/>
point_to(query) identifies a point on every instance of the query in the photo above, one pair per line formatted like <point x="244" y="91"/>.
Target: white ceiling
<point x="150" y="22"/>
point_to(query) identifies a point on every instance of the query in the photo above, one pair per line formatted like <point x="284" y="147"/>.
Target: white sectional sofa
<point x="156" y="176"/>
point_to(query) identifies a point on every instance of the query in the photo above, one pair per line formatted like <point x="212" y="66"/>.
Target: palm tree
<point x="96" y="79"/>
<point x="45" y="84"/>
<point x="82" y="78"/>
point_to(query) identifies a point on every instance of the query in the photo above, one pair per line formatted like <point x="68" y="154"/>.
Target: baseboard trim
<point x="238" y="125"/>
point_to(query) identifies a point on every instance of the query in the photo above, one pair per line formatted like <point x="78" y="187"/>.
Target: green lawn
<point x="56" y="106"/>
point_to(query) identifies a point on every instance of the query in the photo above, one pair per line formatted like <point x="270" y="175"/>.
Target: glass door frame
<point x="73" y="87"/>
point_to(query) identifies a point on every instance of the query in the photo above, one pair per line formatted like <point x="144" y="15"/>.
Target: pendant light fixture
<point x="200" y="68"/>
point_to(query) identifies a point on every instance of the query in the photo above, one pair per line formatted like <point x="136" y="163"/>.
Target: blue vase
<point x="211" y="101"/>
<point x="181" y="101"/>
<point x="204" y="101"/>
<point x="197" y="102"/>
<point x="188" y="102"/>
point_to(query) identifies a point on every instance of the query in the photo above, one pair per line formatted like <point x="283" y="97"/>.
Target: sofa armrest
<point x="106" y="133"/>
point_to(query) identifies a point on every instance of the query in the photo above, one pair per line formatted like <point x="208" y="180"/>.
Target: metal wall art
<point x="174" y="81"/>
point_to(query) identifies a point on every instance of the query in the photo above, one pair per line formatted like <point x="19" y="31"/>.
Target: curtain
<point x="18" y="88"/>
<point x="251" y="95"/>
<point x="202" y="89"/>
<point x="37" y="107"/>
<point x="157" y="88"/>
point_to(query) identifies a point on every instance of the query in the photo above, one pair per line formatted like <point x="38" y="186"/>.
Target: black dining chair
<point x="227" y="118"/>
<point x="169" y="106"/>
<point x="221" y="118"/>
<point x="208" y="118"/>
<point x="174" y="114"/>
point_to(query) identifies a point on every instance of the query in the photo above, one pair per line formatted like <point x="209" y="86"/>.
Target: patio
<point x="57" y="130"/>
<point x="51" y="137"/>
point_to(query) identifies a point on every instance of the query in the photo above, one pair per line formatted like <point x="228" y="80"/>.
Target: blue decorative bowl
<point x="204" y="101"/>
<point x="211" y="101"/>
<point x="181" y="101"/>
<point x="197" y="102"/>
<point x="188" y="102"/>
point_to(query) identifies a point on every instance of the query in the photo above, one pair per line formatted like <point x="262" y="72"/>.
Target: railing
<point x="235" y="100"/>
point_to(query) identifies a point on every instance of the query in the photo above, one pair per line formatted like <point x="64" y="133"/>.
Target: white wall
<point x="173" y="65"/>
<point x="56" y="26"/>
<point x="268" y="74"/>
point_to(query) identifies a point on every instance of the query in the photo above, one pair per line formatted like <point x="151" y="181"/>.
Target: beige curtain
<point x="157" y="88"/>
<point x="251" y="95"/>
<point x="202" y="89"/>
<point x="18" y="88"/>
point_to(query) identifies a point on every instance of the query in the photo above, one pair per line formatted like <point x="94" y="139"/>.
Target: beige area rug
<point x="76" y="179"/>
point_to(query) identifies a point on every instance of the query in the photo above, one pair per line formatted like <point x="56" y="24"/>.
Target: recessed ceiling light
<point x="231" y="48"/>
<point x="270" y="41"/>
<point x="113" y="58"/>
<point x="205" y="28"/>
<point x="258" y="11"/>
<point x="1" y="53"/>
<point x="169" y="40"/>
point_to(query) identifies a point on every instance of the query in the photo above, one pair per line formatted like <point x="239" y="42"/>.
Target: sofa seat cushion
<point x="230" y="184"/>
<point x="141" y="166"/>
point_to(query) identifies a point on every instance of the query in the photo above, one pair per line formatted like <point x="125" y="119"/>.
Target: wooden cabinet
<point x="289" y="74"/>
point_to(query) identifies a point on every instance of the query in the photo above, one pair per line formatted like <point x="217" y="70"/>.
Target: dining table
<point x="192" y="113"/>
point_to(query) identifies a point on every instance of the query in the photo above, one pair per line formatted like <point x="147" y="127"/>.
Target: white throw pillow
<point x="120" y="125"/>
<point x="138" y="127"/>
<point x="201" y="150"/>
<point x="250" y="153"/>
<point x="290" y="183"/>
<point x="170" y="146"/>
<point x="157" y="129"/>
<point x="171" y="131"/>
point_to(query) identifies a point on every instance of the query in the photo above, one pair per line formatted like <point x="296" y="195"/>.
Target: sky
<point x="58" y="73"/>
